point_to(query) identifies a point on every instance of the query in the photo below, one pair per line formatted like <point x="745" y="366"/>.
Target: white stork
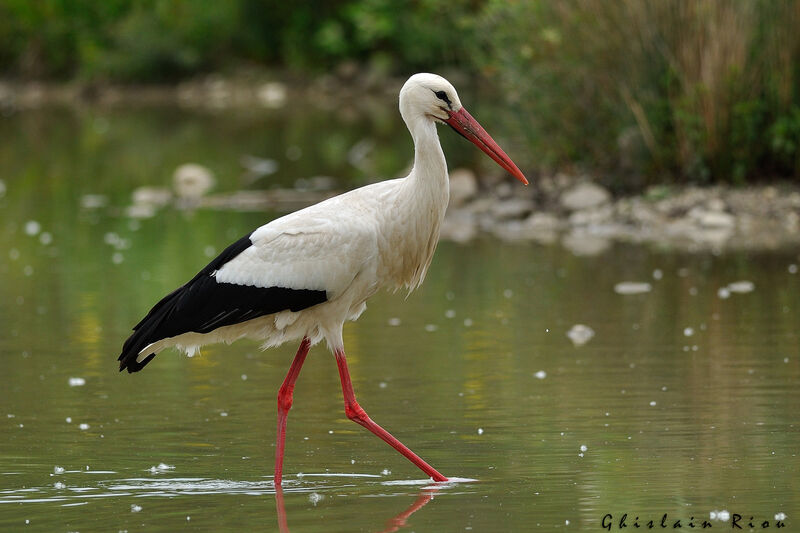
<point x="303" y="275"/>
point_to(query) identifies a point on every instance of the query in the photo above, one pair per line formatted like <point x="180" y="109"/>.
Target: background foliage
<point x="637" y="92"/>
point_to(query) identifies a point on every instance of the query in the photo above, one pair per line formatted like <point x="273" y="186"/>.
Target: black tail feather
<point x="144" y="333"/>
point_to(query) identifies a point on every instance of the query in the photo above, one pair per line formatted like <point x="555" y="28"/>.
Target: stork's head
<point x="432" y="97"/>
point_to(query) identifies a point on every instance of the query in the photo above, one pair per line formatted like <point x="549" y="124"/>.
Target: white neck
<point x="421" y="204"/>
<point x="429" y="162"/>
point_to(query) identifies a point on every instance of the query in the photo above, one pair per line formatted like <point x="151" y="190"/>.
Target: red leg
<point x="358" y="415"/>
<point x="285" y="403"/>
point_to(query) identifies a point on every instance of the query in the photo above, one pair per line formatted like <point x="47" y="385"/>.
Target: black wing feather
<point x="203" y="305"/>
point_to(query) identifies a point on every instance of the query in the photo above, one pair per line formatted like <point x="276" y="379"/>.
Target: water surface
<point x="684" y="402"/>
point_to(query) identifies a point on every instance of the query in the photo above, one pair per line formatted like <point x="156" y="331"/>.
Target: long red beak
<point x="463" y="123"/>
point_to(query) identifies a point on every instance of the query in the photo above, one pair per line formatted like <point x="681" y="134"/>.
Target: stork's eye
<point x="441" y="95"/>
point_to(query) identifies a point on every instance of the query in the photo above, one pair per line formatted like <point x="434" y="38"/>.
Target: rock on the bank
<point x="463" y="186"/>
<point x="584" y="195"/>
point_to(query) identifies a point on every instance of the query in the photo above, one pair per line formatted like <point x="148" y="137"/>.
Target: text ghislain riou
<point x="737" y="521"/>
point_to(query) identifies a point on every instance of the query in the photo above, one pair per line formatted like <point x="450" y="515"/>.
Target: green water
<point x="673" y="420"/>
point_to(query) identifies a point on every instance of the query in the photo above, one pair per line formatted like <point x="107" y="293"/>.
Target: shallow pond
<point x="685" y="401"/>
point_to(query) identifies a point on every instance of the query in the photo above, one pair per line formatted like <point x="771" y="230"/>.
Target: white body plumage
<point x="350" y="246"/>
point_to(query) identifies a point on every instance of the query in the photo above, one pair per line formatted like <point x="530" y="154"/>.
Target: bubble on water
<point x="223" y="413"/>
<point x="584" y="447"/>
<point x="386" y="471"/>
<point x="450" y="313"/>
<point x="394" y="322"/>
<point x="658" y="274"/>
<point x="480" y="431"/>
<point x="541" y="374"/>
<point x="653" y="403"/>
<point x="77" y="382"/>
<point x="741" y="287"/>
<point x="780" y="516"/>
<point x="135" y="508"/>
<point x="46" y="238"/>
<point x="792" y="269"/>
<point x="84" y="426"/>
<point x="693" y="291"/>
<point x="722" y="516"/>
<point x="468" y="322"/>
<point x="244" y="377"/>
<point x="431" y="327"/>
<point x="161" y="467"/>
<point x="566" y="522"/>
<point x="688" y="332"/>
<point x="723" y="293"/>
<point x="28" y="270"/>
<point x="580" y="334"/>
<point x="93" y="201"/>
<point x="210" y="251"/>
<point x="383" y="385"/>
<point x="58" y="470"/>
<point x="13" y="254"/>
<point x="68" y="420"/>
<point x="580" y="454"/>
<point x="117" y="258"/>
<point x="32" y="228"/>
<point x="315" y="498"/>
<point x="508" y="293"/>
<point x="59" y="485"/>
<point x="632" y="287"/>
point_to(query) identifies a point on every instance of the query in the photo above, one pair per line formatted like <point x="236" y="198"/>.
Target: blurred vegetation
<point x="638" y="92"/>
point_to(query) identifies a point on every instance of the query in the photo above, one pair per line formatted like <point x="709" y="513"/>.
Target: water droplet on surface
<point x="741" y="287"/>
<point x="632" y="287"/>
<point x="32" y="228"/>
<point x="580" y="334"/>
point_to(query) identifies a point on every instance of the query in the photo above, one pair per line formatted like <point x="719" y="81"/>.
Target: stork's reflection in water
<point x="394" y="523"/>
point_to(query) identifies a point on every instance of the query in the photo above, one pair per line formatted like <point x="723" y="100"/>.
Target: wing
<point x="278" y="267"/>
